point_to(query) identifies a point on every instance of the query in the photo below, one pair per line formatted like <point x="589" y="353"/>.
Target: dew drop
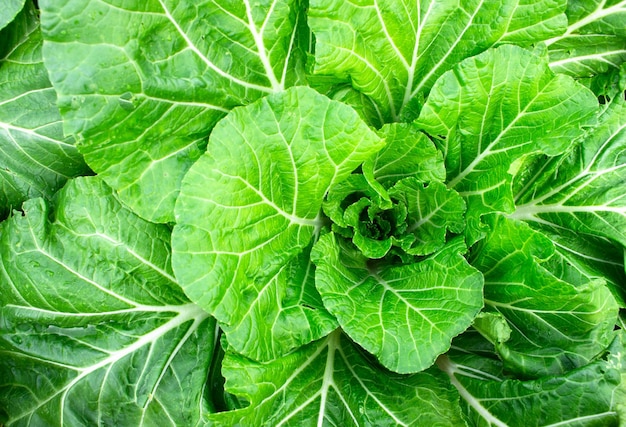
<point x="16" y="339"/>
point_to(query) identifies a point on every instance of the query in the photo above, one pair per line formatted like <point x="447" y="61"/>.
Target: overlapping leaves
<point x="88" y="298"/>
<point x="331" y="254"/>
<point x="35" y="157"/>
<point x="143" y="95"/>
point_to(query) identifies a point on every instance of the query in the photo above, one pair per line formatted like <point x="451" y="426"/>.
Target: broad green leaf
<point x="332" y="382"/>
<point x="406" y="315"/>
<point x="35" y="158"/>
<point x="595" y="39"/>
<point x="408" y="153"/>
<point x="583" y="190"/>
<point x="10" y="9"/>
<point x="579" y="259"/>
<point x="491" y="111"/>
<point x="588" y="396"/>
<point x="94" y="329"/>
<point x="556" y="326"/>
<point x="432" y="211"/>
<point x="141" y="83"/>
<point x="534" y="20"/>
<point x="252" y="204"/>
<point x="394" y="51"/>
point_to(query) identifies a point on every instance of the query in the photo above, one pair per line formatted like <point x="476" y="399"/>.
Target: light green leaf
<point x="94" y="330"/>
<point x="556" y="326"/>
<point x="588" y="396"/>
<point x="10" y="9"/>
<point x="142" y="84"/>
<point x="332" y="382"/>
<point x="394" y="51"/>
<point x="35" y="158"/>
<point x="534" y="20"/>
<point x="408" y="153"/>
<point x="252" y="204"/>
<point x="493" y="110"/>
<point x="432" y="211"/>
<point x="595" y="39"/>
<point x="583" y="190"/>
<point x="405" y="315"/>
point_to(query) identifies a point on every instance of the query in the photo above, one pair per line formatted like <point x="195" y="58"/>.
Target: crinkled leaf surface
<point x="10" y="9"/>
<point x="432" y="211"/>
<point x="492" y="110"/>
<point x="395" y="50"/>
<point x="35" y="158"/>
<point x="595" y="39"/>
<point x="332" y="382"/>
<point x="547" y="18"/>
<point x="584" y="190"/>
<point x="252" y="204"/>
<point x="405" y="315"/>
<point x="141" y="83"/>
<point x="94" y="329"/>
<point x="588" y="396"/>
<point x="556" y="326"/>
<point x="408" y="153"/>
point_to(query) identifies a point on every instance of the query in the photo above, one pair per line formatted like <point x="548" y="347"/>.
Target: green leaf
<point x="394" y="51"/>
<point x="332" y="382"/>
<point x="252" y="204"/>
<point x="588" y="396"/>
<point x="491" y="111"/>
<point x="432" y="211"/>
<point x="583" y="190"/>
<point x="35" y="158"/>
<point x="406" y="315"/>
<point x="142" y="85"/>
<point x="595" y="39"/>
<point x="534" y="20"/>
<point x="10" y="9"/>
<point x="94" y="329"/>
<point x="408" y="153"/>
<point x="556" y="326"/>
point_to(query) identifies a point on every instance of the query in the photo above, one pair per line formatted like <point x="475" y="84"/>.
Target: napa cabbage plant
<point x="284" y="212"/>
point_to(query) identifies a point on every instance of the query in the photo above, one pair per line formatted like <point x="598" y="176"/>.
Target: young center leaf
<point x="35" y="157"/>
<point x="394" y="51"/>
<point x="490" y="112"/>
<point x="252" y="204"/>
<point x="142" y="85"/>
<point x="94" y="329"/>
<point x="406" y="315"/>
<point x="333" y="382"/>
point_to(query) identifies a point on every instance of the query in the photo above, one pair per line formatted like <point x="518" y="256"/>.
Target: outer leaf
<point x="494" y="109"/>
<point x="35" y="158"/>
<point x="579" y="259"/>
<point x="584" y="190"/>
<point x="405" y="315"/>
<point x="394" y="51"/>
<point x="93" y="328"/>
<point x="556" y="326"/>
<point x="251" y="204"/>
<point x="533" y="20"/>
<point x="595" y="39"/>
<point x="331" y="382"/>
<point x="10" y="9"/>
<point x="143" y="82"/>
<point x="588" y="396"/>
